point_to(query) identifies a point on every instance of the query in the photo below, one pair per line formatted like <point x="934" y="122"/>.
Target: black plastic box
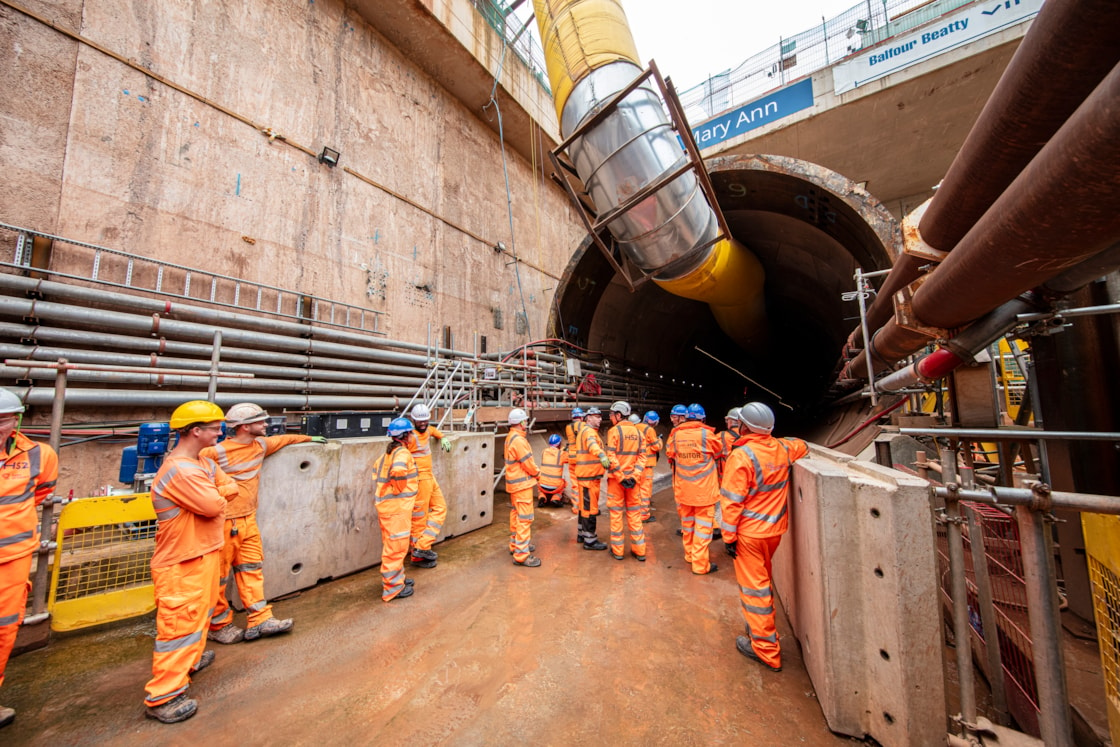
<point x="347" y="424"/>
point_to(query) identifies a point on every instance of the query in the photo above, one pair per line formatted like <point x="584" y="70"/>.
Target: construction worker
<point x="678" y="415"/>
<point x="727" y="441"/>
<point x="521" y="478"/>
<point x="571" y="437"/>
<point x="754" y="493"/>
<point x="189" y="494"/>
<point x="28" y="475"/>
<point x="396" y="485"/>
<point x="648" y="429"/>
<point x="241" y="456"/>
<point x="431" y="508"/>
<point x="693" y="449"/>
<point x="551" y="481"/>
<point x="590" y="464"/>
<point x="627" y="453"/>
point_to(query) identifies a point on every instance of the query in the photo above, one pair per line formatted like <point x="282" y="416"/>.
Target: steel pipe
<point x="1041" y="495"/>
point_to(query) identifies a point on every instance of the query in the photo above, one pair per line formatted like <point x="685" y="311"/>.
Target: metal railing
<point x="861" y="26"/>
<point x="121" y="269"/>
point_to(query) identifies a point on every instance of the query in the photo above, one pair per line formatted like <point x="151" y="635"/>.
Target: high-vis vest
<point x="571" y="434"/>
<point x="395" y="477"/>
<point x="552" y="468"/>
<point x="189" y="507"/>
<point x="653" y="443"/>
<point x="756" y="485"/>
<point x="521" y="471"/>
<point x="587" y="467"/>
<point x="422" y="449"/>
<point x="625" y="445"/>
<point x="694" y="448"/>
<point x="28" y="475"/>
<point x="243" y="463"/>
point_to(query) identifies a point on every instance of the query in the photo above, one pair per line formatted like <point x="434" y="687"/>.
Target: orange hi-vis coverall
<point x="430" y="509"/>
<point x="189" y="496"/>
<point x="571" y="437"/>
<point x="589" y="474"/>
<point x="693" y="449"/>
<point x="627" y="451"/>
<point x="397" y="483"/>
<point x="28" y="475"/>
<point x="552" y="481"/>
<point x="521" y="478"/>
<point x="653" y="448"/>
<point x="243" y="553"/>
<point x="754" y="492"/>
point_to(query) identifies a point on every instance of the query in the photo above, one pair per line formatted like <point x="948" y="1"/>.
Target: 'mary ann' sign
<point x="769" y="108"/>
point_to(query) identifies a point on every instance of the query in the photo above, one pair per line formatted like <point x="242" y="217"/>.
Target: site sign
<point x="762" y="111"/>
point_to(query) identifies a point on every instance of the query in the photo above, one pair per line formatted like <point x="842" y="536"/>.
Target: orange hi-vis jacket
<point x="652" y="442"/>
<point x="726" y="442"/>
<point x="571" y="435"/>
<point x="421" y="449"/>
<point x="755" y="486"/>
<point x="397" y="481"/>
<point x="626" y="450"/>
<point x="243" y="462"/>
<point x="521" y="470"/>
<point x="588" y="469"/>
<point x="553" y="460"/>
<point x="189" y="496"/>
<point x="694" y="448"/>
<point x="28" y="475"/>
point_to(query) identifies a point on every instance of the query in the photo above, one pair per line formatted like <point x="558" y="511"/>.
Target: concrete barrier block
<point x="317" y="515"/>
<point x="857" y="577"/>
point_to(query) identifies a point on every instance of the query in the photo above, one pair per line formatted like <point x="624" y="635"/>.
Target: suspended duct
<point x="671" y="234"/>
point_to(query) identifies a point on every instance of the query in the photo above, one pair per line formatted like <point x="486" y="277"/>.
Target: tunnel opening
<point x="810" y="228"/>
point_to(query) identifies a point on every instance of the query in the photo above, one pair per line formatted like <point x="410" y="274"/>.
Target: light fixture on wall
<point x="329" y="156"/>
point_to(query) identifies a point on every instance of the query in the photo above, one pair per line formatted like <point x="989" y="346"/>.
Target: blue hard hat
<point x="696" y="412"/>
<point x="554" y="440"/>
<point x="679" y="410"/>
<point x="653" y="418"/>
<point x="577" y="412"/>
<point x="400" y="426"/>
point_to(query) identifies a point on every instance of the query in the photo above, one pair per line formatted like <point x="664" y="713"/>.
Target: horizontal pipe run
<point x="1098" y="504"/>
<point x="1009" y="434"/>
<point x="1071" y="313"/>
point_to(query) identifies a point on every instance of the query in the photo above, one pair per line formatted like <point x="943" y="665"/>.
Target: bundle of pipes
<point x="273" y="363"/>
<point x="1028" y="196"/>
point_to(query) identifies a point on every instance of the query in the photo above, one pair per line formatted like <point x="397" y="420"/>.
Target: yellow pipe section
<point x="579" y="36"/>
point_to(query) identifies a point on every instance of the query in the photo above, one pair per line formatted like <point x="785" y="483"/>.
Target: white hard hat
<point x="420" y="412"/>
<point x="733" y="413"/>
<point x="517" y="416"/>
<point x="622" y="408"/>
<point x="245" y="413"/>
<point x="634" y="418"/>
<point x="757" y="417"/>
<point x="9" y="402"/>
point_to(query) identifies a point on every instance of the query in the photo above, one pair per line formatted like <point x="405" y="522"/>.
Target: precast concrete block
<point x="857" y="576"/>
<point x="317" y="515"/>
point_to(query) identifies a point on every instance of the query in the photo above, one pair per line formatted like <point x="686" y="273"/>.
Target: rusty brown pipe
<point x="1068" y="50"/>
<point x="1059" y="211"/>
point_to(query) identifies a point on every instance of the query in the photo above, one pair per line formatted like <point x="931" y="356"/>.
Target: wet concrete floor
<point x="583" y="649"/>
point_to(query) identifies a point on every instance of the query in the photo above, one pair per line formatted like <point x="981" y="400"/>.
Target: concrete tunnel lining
<point x="810" y="228"/>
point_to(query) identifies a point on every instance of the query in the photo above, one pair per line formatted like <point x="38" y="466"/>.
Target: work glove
<point x="445" y="443"/>
<point x="731" y="549"/>
<point x="628" y="482"/>
<point x="603" y="460"/>
<point x="318" y="440"/>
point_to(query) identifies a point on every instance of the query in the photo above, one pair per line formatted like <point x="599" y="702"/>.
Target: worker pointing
<point x="189" y="495"/>
<point x="241" y="456"/>
<point x="28" y="474"/>
<point x="755" y="492"/>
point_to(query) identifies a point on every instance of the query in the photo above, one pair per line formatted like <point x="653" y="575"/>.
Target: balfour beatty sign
<point x="769" y="108"/>
<point x="951" y="31"/>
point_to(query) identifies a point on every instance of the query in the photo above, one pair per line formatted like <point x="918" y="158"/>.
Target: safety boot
<point x="530" y="562"/>
<point x="531" y="549"/>
<point x="421" y="562"/>
<point x="594" y="544"/>
<point x="229" y="633"/>
<point x="639" y="558"/>
<point x="204" y="661"/>
<point x="425" y="554"/>
<point x="271" y="626"/>
<point x="173" y="711"/>
<point x="406" y="592"/>
<point x="744" y="647"/>
<point x="7" y="716"/>
<point x="648" y="519"/>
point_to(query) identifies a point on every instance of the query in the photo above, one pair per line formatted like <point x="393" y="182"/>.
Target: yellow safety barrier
<point x="1102" y="549"/>
<point x="101" y="567"/>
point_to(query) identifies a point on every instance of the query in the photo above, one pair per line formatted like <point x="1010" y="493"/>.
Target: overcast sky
<point x="694" y="39"/>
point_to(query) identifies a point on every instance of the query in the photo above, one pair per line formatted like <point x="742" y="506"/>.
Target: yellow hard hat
<point x="195" y="411"/>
